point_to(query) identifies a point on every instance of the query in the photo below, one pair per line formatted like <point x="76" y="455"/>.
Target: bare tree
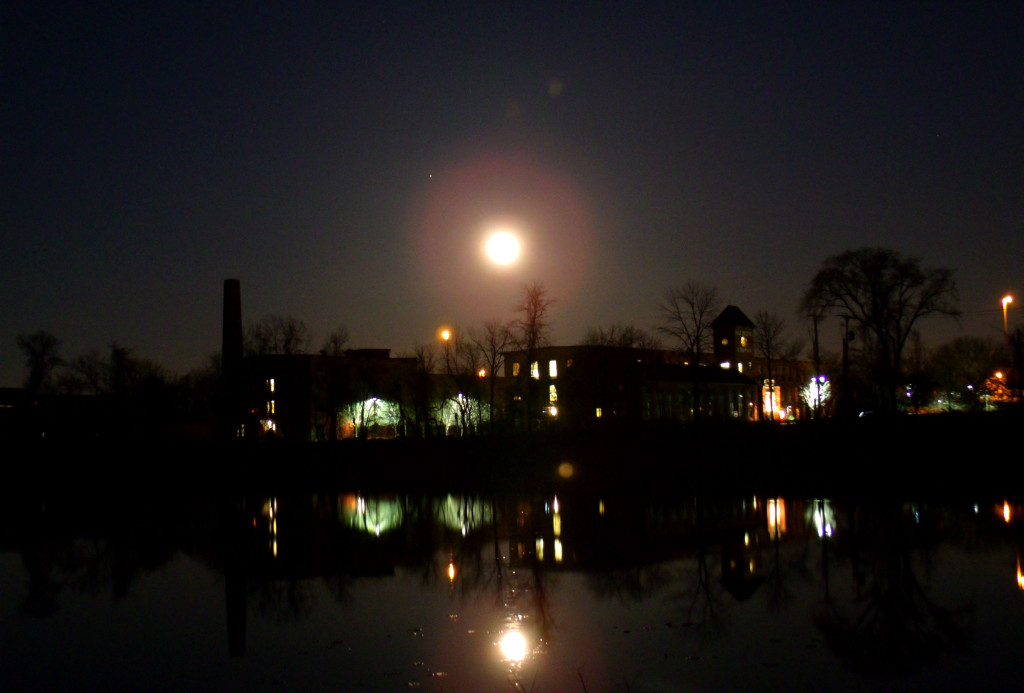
<point x="42" y="357"/>
<point x="461" y="395"/>
<point x="336" y="341"/>
<point x="769" y="336"/>
<point x="142" y="397"/>
<point x="687" y="312"/>
<point x="531" y="332"/>
<point x="621" y="335"/>
<point x="490" y="343"/>
<point x="88" y="374"/>
<point x="422" y="390"/>
<point x="532" y="328"/>
<point x="885" y="294"/>
<point x="276" y="334"/>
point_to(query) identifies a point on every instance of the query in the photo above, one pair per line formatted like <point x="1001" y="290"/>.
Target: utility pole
<point x="817" y="370"/>
<point x="844" y="385"/>
<point x="1017" y="363"/>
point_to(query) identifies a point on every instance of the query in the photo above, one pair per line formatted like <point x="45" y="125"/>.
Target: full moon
<point x="502" y="248"/>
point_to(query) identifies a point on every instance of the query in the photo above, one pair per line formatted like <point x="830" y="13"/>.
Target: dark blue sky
<point x="344" y="164"/>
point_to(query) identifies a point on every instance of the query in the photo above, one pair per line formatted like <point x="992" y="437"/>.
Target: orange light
<point x="482" y="373"/>
<point x="1006" y="511"/>
<point x="776" y="517"/>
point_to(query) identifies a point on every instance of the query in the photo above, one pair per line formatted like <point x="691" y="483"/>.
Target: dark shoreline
<point x="916" y="456"/>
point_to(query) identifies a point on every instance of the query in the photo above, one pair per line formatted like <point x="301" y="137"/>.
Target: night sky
<point x="345" y="164"/>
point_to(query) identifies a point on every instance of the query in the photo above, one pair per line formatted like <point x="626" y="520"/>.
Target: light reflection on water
<point x="460" y="593"/>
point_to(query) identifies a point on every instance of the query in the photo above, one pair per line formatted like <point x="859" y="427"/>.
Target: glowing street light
<point x="1007" y="300"/>
<point x="446" y="336"/>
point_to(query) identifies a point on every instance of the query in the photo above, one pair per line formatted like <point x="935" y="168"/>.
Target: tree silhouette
<point x="769" y="331"/>
<point x="962" y="368"/>
<point x="491" y="342"/>
<point x="686" y="313"/>
<point x="42" y="357"/>
<point x="532" y="328"/>
<point x="334" y="344"/>
<point x="885" y="294"/>
<point x="621" y="335"/>
<point x="276" y="334"/>
<point x="531" y="332"/>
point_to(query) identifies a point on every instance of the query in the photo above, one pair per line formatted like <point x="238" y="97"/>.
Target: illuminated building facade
<point x="782" y="402"/>
<point x="362" y="393"/>
<point x="593" y="387"/>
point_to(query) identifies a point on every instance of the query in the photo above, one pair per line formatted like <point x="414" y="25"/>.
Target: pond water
<point x="343" y="592"/>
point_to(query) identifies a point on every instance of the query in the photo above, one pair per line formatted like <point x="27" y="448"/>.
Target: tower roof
<point x="731" y="316"/>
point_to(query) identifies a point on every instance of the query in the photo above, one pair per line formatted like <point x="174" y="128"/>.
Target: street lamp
<point x="1007" y="300"/>
<point x="446" y="336"/>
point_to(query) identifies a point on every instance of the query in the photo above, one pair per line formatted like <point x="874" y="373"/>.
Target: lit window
<point x="535" y="370"/>
<point x="568" y="364"/>
<point x="552" y="394"/>
<point x="270" y="385"/>
<point x="739" y="367"/>
<point x="515" y="369"/>
<point x="597" y="413"/>
<point x="553" y="368"/>
<point x="270" y="407"/>
<point x="743" y="341"/>
<point x="725" y="365"/>
<point x="553" y="411"/>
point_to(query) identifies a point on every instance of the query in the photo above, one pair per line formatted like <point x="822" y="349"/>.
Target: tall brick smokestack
<point x="232" y="379"/>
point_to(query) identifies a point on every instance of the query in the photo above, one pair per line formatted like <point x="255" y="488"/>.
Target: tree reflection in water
<point x="891" y="626"/>
<point x="703" y="559"/>
<point x="283" y="600"/>
<point x="699" y="597"/>
<point x="89" y="554"/>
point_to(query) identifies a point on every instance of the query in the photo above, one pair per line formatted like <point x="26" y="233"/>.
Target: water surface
<point x="344" y="592"/>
